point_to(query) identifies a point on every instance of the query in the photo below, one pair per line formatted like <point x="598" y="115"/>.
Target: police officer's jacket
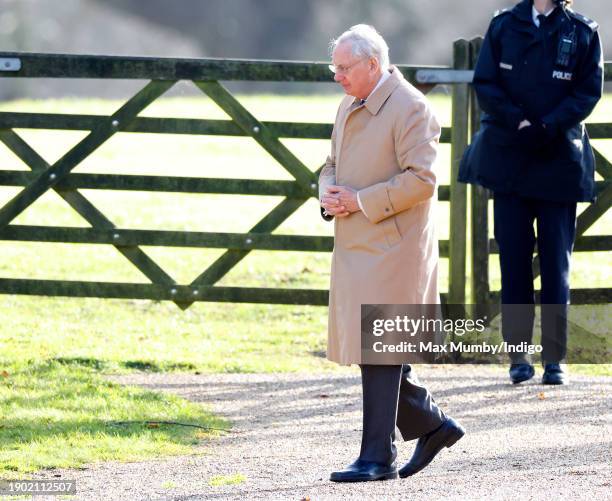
<point x="519" y="75"/>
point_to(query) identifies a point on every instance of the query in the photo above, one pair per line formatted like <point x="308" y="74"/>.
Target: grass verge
<point x="59" y="415"/>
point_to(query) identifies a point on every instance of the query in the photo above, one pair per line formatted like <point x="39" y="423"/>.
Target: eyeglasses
<point x="343" y="69"/>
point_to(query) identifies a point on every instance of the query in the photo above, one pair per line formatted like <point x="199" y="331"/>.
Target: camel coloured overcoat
<point x="387" y="254"/>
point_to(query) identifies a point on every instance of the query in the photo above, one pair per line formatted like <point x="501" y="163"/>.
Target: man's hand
<point x="340" y="201"/>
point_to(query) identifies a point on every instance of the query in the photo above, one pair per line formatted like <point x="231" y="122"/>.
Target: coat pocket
<point x="494" y="159"/>
<point x="391" y="231"/>
<point x="571" y="143"/>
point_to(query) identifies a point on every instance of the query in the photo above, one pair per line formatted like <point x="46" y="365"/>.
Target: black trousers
<point x="514" y="231"/>
<point x="393" y="396"/>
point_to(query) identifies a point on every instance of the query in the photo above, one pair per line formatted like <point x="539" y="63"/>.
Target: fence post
<point x="458" y="191"/>
<point x="479" y="208"/>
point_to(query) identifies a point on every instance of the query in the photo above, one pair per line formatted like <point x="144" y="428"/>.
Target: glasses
<point x="343" y="69"/>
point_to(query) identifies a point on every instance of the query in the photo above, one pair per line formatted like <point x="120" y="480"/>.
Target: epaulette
<point x="593" y="25"/>
<point x="500" y="12"/>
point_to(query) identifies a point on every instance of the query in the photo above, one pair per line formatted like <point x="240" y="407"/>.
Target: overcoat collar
<point x="379" y="96"/>
<point x="523" y="12"/>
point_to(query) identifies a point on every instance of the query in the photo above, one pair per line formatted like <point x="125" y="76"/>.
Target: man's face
<point x="357" y="75"/>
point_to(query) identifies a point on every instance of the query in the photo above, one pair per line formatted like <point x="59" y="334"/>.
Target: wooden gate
<point x="206" y="74"/>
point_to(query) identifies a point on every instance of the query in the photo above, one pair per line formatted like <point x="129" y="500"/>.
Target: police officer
<point x="538" y="76"/>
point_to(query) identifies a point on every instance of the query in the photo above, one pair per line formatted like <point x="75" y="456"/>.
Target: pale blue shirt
<point x="535" y="14"/>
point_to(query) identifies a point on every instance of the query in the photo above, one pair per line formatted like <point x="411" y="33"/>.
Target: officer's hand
<point x="532" y="137"/>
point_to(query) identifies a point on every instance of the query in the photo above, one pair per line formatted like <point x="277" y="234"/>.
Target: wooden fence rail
<point x="162" y="74"/>
<point x="207" y="75"/>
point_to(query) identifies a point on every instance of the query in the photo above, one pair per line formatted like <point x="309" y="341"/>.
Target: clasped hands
<point x="339" y="201"/>
<point x="533" y="134"/>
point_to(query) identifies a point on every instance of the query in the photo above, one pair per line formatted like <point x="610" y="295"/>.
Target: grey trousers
<point x="393" y="396"/>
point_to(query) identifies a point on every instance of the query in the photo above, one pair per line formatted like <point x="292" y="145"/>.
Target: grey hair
<point x="365" y="42"/>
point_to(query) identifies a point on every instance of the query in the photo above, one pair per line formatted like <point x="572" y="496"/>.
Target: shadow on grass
<point x="60" y="413"/>
<point x="140" y="365"/>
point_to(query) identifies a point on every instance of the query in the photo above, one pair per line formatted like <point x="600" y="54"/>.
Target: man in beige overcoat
<point x="379" y="187"/>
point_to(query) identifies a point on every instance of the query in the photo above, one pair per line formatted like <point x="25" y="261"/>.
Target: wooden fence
<point x="207" y="74"/>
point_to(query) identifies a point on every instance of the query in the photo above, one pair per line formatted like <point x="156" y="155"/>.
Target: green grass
<point x="55" y="350"/>
<point x="63" y="414"/>
<point x="116" y="336"/>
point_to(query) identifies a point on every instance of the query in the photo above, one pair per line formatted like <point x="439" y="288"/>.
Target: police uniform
<point x="551" y="75"/>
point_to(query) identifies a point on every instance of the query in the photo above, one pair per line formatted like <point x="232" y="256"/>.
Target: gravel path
<point x="291" y="430"/>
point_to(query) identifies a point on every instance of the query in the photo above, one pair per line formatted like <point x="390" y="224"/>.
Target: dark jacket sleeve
<point x="587" y="90"/>
<point x="487" y="83"/>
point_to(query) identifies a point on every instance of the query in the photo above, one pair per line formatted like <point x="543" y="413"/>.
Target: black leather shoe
<point x="554" y="374"/>
<point x="521" y="372"/>
<point x="364" y="471"/>
<point x="429" y="445"/>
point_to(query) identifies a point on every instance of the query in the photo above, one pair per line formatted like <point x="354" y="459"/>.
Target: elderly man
<point x="379" y="187"/>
